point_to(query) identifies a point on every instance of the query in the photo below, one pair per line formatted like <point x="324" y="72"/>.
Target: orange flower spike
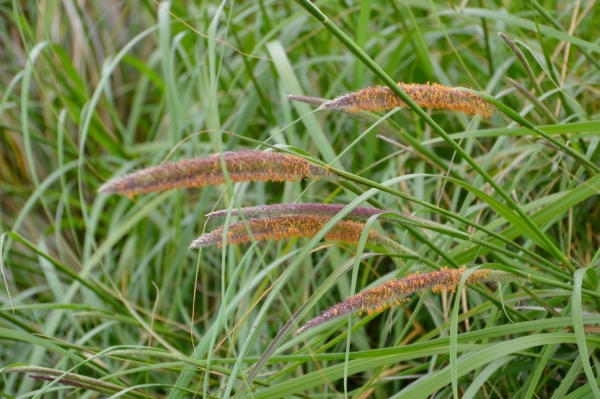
<point x="281" y="227"/>
<point x="435" y="96"/>
<point x="393" y="292"/>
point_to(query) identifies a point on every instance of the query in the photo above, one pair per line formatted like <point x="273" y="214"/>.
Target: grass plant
<point x="318" y="193"/>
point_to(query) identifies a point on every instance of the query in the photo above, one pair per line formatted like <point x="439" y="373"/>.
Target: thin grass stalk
<point x="75" y="380"/>
<point x="416" y="144"/>
<point x="539" y="300"/>
<point x="250" y="73"/>
<point x="136" y="354"/>
<point x="486" y="38"/>
<point x="74" y="383"/>
<point x="540" y="261"/>
<point x="554" y="146"/>
<point x="549" y="144"/>
<point x="536" y="101"/>
<point x="362" y="56"/>
<point x="521" y="57"/>
<point x="453" y="48"/>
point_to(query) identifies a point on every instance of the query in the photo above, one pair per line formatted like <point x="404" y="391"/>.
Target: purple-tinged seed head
<point x="393" y="292"/>
<point x="242" y="166"/>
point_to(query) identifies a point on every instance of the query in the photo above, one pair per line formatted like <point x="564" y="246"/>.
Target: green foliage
<point x="101" y="295"/>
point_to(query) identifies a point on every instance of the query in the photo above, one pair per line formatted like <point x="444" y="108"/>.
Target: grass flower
<point x="280" y="227"/>
<point x="382" y="98"/>
<point x="242" y="166"/>
<point x="330" y="210"/>
<point x="300" y="209"/>
<point x="396" y="291"/>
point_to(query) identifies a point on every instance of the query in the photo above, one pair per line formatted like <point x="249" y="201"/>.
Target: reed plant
<point x="263" y="200"/>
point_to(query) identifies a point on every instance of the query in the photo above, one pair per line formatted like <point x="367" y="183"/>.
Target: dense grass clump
<point x="319" y="195"/>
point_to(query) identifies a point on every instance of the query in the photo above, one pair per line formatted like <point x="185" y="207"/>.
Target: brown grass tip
<point x="242" y="166"/>
<point x="396" y="291"/>
<point x="435" y="96"/>
<point x="281" y="227"/>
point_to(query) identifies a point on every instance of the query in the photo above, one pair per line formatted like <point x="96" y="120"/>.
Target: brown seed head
<point x="358" y="213"/>
<point x="300" y="209"/>
<point x="380" y="98"/>
<point x="396" y="291"/>
<point x="242" y="166"/>
<point x="279" y="227"/>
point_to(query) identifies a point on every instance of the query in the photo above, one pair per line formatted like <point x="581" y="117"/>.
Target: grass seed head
<point x="358" y="213"/>
<point x="242" y="166"/>
<point x="300" y="209"/>
<point x="382" y="98"/>
<point x="280" y="227"/>
<point x="396" y="291"/>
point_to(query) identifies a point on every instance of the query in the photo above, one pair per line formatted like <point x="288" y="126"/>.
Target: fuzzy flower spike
<point x="242" y="166"/>
<point x="330" y="210"/>
<point x="280" y="227"/>
<point x="396" y="291"/>
<point x="300" y="209"/>
<point x="382" y="98"/>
